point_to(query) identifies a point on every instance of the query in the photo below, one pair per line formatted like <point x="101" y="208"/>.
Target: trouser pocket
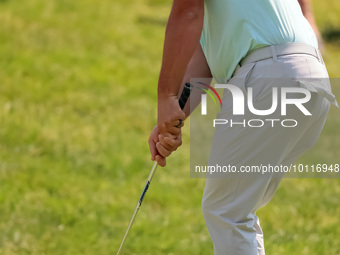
<point x="320" y="86"/>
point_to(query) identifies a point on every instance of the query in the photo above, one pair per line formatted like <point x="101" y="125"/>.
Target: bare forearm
<point x="181" y="39"/>
<point x="307" y="10"/>
<point x="197" y="68"/>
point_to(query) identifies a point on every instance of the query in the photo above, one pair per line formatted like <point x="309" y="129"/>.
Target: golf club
<point x="182" y="101"/>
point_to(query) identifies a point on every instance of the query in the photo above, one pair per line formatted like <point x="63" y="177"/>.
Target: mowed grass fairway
<point x="77" y="103"/>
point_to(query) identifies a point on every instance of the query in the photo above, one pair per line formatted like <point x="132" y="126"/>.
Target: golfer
<point x="251" y="44"/>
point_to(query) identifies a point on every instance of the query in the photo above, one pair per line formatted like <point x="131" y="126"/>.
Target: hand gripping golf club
<point x="182" y="101"/>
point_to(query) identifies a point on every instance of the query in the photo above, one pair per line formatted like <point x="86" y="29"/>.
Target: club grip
<point x="185" y="95"/>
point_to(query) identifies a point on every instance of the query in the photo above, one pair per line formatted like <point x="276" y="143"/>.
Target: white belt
<point x="275" y="51"/>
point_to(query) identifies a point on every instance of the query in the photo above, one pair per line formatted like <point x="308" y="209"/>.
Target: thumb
<point x="152" y="146"/>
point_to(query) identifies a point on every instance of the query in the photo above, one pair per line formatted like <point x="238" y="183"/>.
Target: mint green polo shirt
<point x="232" y="28"/>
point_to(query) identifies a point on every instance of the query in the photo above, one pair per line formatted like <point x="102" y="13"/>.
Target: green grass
<point x="77" y="103"/>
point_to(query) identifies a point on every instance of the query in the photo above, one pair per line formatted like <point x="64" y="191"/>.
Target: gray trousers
<point x="229" y="203"/>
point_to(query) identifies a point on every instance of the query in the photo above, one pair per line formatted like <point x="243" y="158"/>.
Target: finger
<point x="180" y="123"/>
<point x="161" y="160"/>
<point x="173" y="143"/>
<point x="153" y="139"/>
<point x="172" y="129"/>
<point x="177" y="123"/>
<point x="162" y="150"/>
<point x="170" y="143"/>
<point x="181" y="115"/>
<point x="153" y="149"/>
<point x="161" y="140"/>
<point x="167" y="134"/>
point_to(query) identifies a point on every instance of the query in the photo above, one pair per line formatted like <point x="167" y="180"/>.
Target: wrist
<point x="165" y="94"/>
<point x="166" y="98"/>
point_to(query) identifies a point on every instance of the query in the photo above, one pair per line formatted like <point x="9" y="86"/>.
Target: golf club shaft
<point x="182" y="101"/>
<point x="139" y="203"/>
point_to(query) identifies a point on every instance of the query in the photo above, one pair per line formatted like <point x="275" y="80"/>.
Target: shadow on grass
<point x="331" y="34"/>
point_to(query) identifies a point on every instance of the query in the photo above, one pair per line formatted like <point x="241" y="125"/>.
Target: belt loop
<point x="272" y="47"/>
<point x="236" y="69"/>
<point x="318" y="53"/>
